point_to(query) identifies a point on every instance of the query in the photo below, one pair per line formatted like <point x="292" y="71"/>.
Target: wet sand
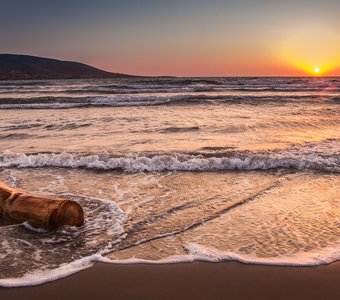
<point x="228" y="280"/>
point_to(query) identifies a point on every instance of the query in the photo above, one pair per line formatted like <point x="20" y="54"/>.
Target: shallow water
<point x="172" y="170"/>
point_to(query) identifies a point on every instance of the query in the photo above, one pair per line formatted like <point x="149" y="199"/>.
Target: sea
<point x="173" y="170"/>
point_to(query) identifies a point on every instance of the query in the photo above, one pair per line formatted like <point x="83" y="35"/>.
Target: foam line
<point x="173" y="162"/>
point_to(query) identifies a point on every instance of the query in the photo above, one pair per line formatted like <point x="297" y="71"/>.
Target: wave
<point x="180" y="129"/>
<point x="15" y="136"/>
<point x="114" y="90"/>
<point x="152" y="100"/>
<point x="155" y="162"/>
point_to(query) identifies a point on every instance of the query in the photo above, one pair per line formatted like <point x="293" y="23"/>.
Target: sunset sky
<point x="184" y="38"/>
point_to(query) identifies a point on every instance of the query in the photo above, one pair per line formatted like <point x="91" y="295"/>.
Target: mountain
<point x="18" y="67"/>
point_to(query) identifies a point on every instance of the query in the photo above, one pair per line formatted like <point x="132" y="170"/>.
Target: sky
<point x="179" y="37"/>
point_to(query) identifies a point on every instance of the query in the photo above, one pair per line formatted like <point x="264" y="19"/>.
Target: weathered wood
<point x="42" y="211"/>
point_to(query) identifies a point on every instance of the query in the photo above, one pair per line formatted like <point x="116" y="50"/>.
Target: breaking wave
<point x="153" y="100"/>
<point x="176" y="161"/>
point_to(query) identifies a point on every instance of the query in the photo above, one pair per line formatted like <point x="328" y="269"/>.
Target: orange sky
<point x="183" y="38"/>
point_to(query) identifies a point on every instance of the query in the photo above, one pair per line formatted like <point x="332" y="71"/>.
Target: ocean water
<point x="173" y="170"/>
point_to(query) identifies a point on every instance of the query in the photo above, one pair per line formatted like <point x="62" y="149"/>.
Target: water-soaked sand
<point x="213" y="281"/>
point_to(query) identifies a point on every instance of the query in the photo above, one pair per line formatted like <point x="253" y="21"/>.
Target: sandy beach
<point x="170" y="150"/>
<point x="227" y="280"/>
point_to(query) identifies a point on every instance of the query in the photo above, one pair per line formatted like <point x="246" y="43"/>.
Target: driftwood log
<point x="41" y="211"/>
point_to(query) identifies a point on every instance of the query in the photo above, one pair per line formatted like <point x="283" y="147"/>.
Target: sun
<point x="316" y="70"/>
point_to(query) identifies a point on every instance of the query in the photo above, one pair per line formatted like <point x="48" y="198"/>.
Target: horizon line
<point x="176" y="76"/>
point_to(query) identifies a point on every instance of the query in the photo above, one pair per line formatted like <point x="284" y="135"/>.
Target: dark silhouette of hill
<point x="20" y="67"/>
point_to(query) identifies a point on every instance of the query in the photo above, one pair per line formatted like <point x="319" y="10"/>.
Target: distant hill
<point x="19" y="67"/>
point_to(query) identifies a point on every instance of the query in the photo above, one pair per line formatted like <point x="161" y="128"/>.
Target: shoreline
<point x="197" y="280"/>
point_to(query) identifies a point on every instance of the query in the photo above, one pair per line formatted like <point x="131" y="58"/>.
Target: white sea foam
<point x="122" y="100"/>
<point x="40" y="277"/>
<point x="205" y="254"/>
<point x="313" y="258"/>
<point x="36" y="229"/>
<point x="195" y="253"/>
<point x="47" y="256"/>
<point x="173" y="162"/>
